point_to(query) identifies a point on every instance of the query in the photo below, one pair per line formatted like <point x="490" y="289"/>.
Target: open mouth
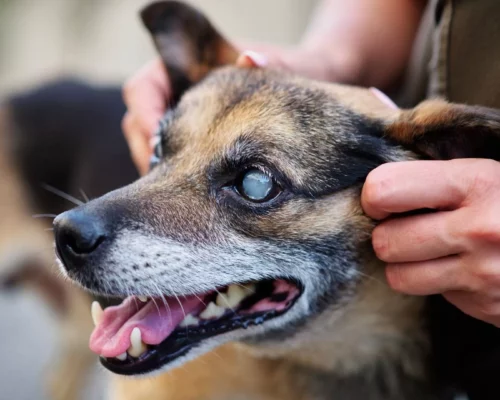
<point x="143" y="334"/>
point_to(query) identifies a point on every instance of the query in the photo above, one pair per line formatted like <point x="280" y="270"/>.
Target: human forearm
<point x="364" y="42"/>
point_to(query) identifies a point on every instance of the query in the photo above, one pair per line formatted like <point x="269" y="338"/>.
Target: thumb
<point x="265" y="55"/>
<point x="298" y="61"/>
<point x="253" y="59"/>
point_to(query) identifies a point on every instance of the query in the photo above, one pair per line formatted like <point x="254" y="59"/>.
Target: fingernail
<point x="258" y="59"/>
<point x="383" y="98"/>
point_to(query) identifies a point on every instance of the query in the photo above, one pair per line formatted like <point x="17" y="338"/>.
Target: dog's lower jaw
<point x="377" y="336"/>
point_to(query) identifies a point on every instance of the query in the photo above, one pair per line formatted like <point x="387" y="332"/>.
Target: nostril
<point x="77" y="234"/>
<point x="82" y="244"/>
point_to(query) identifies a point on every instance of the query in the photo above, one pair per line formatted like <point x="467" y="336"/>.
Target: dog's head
<point x="249" y="226"/>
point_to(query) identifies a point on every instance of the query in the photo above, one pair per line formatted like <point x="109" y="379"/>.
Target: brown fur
<point x="438" y="129"/>
<point x="230" y="372"/>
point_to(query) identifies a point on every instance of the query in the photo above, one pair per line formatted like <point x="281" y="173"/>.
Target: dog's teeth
<point x="236" y="293"/>
<point x="96" y="312"/>
<point x="250" y="288"/>
<point x="233" y="297"/>
<point x="137" y="346"/>
<point x="144" y="299"/>
<point x="212" y="311"/>
<point x="189" y="320"/>
<point x="222" y="300"/>
<point x="122" y="357"/>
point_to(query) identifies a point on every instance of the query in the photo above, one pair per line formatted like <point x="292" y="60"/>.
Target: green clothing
<point x="456" y="54"/>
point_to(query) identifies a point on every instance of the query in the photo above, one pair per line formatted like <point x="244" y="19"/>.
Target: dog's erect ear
<point x="441" y="130"/>
<point x="187" y="42"/>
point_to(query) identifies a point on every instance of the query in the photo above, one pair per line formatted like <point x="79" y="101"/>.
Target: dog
<point x="56" y="139"/>
<point x="249" y="230"/>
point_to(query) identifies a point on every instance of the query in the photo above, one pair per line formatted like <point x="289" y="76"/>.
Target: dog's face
<point x="249" y="226"/>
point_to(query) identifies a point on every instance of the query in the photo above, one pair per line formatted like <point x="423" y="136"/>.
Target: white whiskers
<point x="44" y="215"/>
<point x="63" y="195"/>
<point x="84" y="195"/>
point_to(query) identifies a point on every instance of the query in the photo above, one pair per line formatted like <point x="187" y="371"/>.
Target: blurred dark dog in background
<point x="58" y="143"/>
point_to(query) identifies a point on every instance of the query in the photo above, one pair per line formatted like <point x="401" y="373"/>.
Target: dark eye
<point x="257" y="186"/>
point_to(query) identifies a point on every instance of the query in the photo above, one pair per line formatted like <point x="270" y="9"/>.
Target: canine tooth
<point x="212" y="311"/>
<point x="189" y="320"/>
<point x="233" y="297"/>
<point x="144" y="299"/>
<point x="222" y="300"/>
<point x="122" y="357"/>
<point x="137" y="346"/>
<point x="250" y="288"/>
<point x="96" y="312"/>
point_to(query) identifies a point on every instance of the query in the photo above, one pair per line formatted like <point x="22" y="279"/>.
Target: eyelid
<point x="237" y="175"/>
<point x="262" y="169"/>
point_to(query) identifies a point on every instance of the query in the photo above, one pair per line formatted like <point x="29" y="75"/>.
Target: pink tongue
<point x="156" y="321"/>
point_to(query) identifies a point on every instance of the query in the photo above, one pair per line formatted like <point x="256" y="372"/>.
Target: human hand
<point x="146" y="95"/>
<point x="455" y="250"/>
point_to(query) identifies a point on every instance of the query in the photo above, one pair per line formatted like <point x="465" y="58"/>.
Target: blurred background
<point x="101" y="42"/>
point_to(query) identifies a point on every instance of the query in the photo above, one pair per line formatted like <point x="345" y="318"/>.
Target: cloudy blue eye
<point x="257" y="186"/>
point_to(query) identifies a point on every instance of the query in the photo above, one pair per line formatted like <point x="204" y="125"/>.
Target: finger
<point x="411" y="185"/>
<point x="147" y="95"/>
<point x="418" y="238"/>
<point x="146" y="124"/>
<point x="138" y="143"/>
<point x="427" y="277"/>
<point x="251" y="59"/>
<point x="482" y="308"/>
<point x="141" y="154"/>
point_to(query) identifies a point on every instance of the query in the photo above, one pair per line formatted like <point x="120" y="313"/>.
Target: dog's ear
<point x="440" y="130"/>
<point x="187" y="42"/>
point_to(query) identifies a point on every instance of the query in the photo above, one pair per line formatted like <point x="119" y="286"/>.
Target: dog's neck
<point x="377" y="328"/>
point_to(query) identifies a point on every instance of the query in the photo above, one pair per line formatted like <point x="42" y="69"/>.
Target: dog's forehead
<point x="239" y="96"/>
<point x="230" y="101"/>
<point x="234" y="101"/>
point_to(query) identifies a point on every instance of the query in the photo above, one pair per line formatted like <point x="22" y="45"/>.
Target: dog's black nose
<point x="78" y="234"/>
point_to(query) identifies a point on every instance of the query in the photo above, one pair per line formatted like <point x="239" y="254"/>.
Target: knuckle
<point x="485" y="176"/>
<point x="395" y="278"/>
<point x="129" y="88"/>
<point x="380" y="243"/>
<point x="376" y="189"/>
<point x="484" y="227"/>
<point x="488" y="306"/>
<point x="487" y="277"/>
<point x="127" y="123"/>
